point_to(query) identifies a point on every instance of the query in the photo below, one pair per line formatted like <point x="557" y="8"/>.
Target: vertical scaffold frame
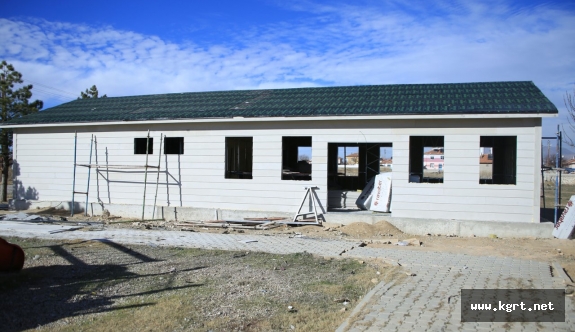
<point x="108" y="167"/>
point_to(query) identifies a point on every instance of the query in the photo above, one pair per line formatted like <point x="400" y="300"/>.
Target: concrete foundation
<point x="408" y="225"/>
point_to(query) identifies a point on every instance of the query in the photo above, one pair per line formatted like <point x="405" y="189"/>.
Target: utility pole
<point x="548" y="160"/>
<point x="4" y="152"/>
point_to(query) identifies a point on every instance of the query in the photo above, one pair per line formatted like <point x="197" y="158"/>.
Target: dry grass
<point x="95" y="286"/>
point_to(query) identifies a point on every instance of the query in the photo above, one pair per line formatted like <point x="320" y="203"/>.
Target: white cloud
<point x="340" y="45"/>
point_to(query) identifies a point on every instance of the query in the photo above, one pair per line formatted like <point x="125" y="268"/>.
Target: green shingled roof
<point x="405" y="99"/>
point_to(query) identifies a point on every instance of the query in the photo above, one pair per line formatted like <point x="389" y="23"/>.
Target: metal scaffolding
<point x="107" y="167"/>
<point x="558" y="168"/>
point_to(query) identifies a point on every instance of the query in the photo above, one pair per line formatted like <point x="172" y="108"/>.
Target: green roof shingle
<point x="405" y="99"/>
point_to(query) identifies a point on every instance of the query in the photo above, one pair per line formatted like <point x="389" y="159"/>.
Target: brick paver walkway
<point x="428" y="301"/>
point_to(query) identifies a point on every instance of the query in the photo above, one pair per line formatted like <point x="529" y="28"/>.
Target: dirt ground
<point x="380" y="234"/>
<point x="105" y="286"/>
<point x="376" y="235"/>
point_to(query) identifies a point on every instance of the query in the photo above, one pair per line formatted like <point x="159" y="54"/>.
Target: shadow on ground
<point x="41" y="295"/>
<point x="548" y="214"/>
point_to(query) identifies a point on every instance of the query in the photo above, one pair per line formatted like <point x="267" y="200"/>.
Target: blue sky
<point x="146" y="47"/>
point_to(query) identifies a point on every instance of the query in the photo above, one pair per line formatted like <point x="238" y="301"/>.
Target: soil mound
<point x="365" y="230"/>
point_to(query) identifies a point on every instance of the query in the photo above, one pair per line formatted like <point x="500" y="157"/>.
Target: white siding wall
<point x="44" y="166"/>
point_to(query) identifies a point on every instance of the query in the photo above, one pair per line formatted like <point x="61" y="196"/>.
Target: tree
<point x="91" y="93"/>
<point x="550" y="160"/>
<point x="569" y="100"/>
<point x="14" y="104"/>
<point x="303" y="157"/>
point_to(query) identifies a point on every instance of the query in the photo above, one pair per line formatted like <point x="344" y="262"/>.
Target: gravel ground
<point x="94" y="285"/>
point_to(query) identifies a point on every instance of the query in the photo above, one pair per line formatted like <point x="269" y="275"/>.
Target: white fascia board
<point x="275" y="119"/>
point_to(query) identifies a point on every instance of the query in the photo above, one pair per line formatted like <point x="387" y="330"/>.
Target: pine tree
<point x="91" y="93"/>
<point x="14" y="103"/>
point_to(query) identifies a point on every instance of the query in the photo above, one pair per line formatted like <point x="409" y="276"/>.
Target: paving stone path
<point x="427" y="301"/>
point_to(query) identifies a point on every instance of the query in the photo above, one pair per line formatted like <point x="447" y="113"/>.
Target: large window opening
<point x="239" y="156"/>
<point x="141" y="143"/>
<point x="426" y="159"/>
<point x="173" y="145"/>
<point x="498" y="160"/>
<point x="352" y="165"/>
<point x="296" y="158"/>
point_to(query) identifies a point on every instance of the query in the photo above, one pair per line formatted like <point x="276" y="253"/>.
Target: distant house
<point x="433" y="159"/>
<point x="486" y="166"/>
<point x="486" y="159"/>
<point x="352" y="158"/>
<point x="569" y="163"/>
<point x="212" y="153"/>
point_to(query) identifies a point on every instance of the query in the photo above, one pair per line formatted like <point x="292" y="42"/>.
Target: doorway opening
<point x="351" y="166"/>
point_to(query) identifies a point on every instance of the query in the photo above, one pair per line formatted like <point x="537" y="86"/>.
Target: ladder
<point x="74" y="192"/>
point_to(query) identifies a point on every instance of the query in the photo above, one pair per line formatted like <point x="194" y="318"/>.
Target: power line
<point x="51" y="94"/>
<point x="52" y="88"/>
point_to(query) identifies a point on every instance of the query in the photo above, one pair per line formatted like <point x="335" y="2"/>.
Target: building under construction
<point x="209" y="153"/>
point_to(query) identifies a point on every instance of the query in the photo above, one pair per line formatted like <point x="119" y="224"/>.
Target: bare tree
<point x="569" y="100"/>
<point x="550" y="160"/>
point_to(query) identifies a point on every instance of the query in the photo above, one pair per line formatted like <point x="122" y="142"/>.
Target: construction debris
<point x="409" y="242"/>
<point x="413" y="242"/>
<point x="342" y="300"/>
<point x="24" y="216"/>
<point x="248" y="241"/>
<point x="265" y="219"/>
<point x="263" y="224"/>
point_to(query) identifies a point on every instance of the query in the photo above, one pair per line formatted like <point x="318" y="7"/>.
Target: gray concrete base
<point x="169" y="213"/>
<point x="462" y="228"/>
<point x="467" y="228"/>
<point x="407" y="225"/>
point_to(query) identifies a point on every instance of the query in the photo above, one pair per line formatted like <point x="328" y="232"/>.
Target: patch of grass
<point x="95" y="286"/>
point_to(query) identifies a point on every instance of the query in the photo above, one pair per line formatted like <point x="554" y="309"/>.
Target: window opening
<point x="348" y="161"/>
<point x="352" y="165"/>
<point x="174" y="145"/>
<point x="426" y="159"/>
<point x="239" y="156"/>
<point x="140" y="145"/>
<point x="296" y="158"/>
<point x="498" y="160"/>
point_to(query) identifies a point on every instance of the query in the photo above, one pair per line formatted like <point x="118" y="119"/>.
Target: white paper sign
<point x="381" y="195"/>
<point x="566" y="223"/>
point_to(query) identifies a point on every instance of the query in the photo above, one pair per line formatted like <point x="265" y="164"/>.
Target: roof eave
<point x="302" y="118"/>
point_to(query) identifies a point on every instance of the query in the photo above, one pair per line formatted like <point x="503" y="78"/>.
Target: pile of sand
<point x="363" y="230"/>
